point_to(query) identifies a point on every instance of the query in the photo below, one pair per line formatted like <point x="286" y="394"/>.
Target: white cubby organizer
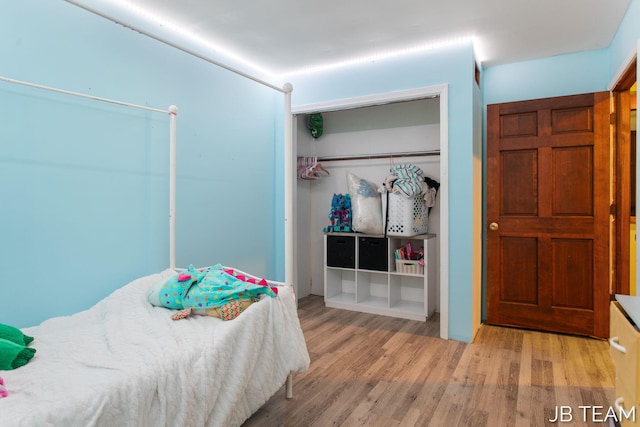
<point x="360" y="274"/>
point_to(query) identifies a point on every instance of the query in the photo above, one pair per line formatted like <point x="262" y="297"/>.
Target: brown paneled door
<point x="548" y="214"/>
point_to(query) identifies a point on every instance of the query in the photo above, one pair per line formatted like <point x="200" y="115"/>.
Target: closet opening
<point x="366" y="137"/>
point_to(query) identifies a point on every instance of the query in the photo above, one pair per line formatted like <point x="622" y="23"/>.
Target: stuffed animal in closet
<point x="340" y="214"/>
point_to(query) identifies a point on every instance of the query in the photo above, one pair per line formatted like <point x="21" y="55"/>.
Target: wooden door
<point x="548" y="214"/>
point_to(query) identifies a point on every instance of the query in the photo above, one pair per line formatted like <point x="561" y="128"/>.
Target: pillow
<point x="14" y="355"/>
<point x="366" y="206"/>
<point x="14" y="335"/>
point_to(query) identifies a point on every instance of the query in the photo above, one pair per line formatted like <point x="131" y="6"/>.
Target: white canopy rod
<point x="170" y="43"/>
<point x="290" y="260"/>
<point x="173" y="112"/>
<point x="83" y="95"/>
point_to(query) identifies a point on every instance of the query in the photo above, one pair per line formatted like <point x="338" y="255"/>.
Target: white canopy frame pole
<point x="172" y="44"/>
<point x="173" y="112"/>
<point x="83" y="95"/>
<point x="289" y="182"/>
<point x="289" y="254"/>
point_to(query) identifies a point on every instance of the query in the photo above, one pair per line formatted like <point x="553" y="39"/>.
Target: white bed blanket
<point x="126" y="363"/>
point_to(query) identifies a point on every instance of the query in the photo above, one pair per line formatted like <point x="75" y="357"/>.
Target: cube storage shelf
<point x="360" y="274"/>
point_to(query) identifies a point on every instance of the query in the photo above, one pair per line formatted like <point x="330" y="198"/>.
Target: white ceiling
<point x="283" y="36"/>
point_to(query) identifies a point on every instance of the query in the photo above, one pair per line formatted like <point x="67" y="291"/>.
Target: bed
<point x="125" y="362"/>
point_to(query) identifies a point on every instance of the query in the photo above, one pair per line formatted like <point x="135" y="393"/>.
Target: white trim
<point x="444" y="213"/>
<point x="411" y="95"/>
<point x="370" y="100"/>
<point x="623" y="67"/>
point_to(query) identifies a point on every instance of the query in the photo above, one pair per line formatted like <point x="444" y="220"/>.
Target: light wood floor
<point x="369" y="370"/>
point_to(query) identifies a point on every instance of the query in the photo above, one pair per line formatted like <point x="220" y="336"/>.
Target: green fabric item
<point x="14" y="335"/>
<point x="13" y="355"/>
<point x="315" y="124"/>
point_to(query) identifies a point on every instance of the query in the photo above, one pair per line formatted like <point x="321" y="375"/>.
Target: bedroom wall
<point x="574" y="73"/>
<point x="84" y="185"/>
<point x="453" y="66"/>
<point x="625" y="42"/>
<point x="561" y="75"/>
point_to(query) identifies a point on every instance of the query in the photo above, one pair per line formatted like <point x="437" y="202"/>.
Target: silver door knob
<point x="493" y="226"/>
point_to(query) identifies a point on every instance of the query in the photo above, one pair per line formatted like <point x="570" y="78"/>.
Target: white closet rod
<point x="182" y="48"/>
<point x="379" y="156"/>
<point x="173" y="112"/>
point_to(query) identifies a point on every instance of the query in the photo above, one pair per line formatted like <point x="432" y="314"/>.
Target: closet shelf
<point x="360" y="274"/>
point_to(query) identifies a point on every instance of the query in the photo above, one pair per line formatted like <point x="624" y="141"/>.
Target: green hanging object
<point x="314" y="124"/>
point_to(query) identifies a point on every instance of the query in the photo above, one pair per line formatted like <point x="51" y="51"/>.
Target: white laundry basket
<point x="406" y="216"/>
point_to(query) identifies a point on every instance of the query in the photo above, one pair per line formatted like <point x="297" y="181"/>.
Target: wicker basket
<point x="407" y="216"/>
<point x="409" y="266"/>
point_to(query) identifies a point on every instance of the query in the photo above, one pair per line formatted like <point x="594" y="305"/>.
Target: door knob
<point x="493" y="226"/>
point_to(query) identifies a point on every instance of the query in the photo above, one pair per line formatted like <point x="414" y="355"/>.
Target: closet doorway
<point x="364" y="136"/>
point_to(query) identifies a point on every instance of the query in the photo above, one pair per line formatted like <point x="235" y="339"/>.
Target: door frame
<point x="621" y="176"/>
<point x="440" y="91"/>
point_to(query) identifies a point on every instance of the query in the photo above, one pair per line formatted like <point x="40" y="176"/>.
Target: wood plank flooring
<point x="369" y="370"/>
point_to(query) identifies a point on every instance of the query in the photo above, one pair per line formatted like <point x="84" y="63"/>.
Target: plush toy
<point x="340" y="214"/>
<point x="3" y="389"/>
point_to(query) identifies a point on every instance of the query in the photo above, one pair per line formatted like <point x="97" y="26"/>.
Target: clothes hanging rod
<point x="380" y="156"/>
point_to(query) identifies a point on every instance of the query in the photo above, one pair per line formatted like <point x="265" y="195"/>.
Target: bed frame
<point x="172" y="111"/>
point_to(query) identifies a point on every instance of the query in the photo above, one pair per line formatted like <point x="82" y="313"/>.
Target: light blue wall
<point x="84" y="185"/>
<point x="455" y="67"/>
<point x="575" y="73"/>
<point x="572" y="74"/>
<point x="625" y="42"/>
